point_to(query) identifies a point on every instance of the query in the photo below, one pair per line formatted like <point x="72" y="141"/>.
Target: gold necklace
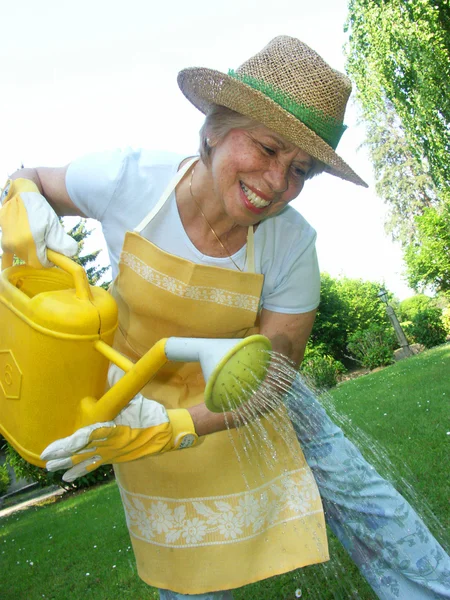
<point x="208" y="223"/>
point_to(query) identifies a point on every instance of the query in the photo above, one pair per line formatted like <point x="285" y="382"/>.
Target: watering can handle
<point x="82" y="287"/>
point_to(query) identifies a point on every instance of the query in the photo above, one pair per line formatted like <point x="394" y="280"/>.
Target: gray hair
<point x="220" y="120"/>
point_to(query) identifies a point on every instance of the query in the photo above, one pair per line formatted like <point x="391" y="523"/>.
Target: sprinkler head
<point x="240" y="371"/>
<point x="232" y="368"/>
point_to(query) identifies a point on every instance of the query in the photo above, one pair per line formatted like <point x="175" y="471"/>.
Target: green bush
<point x="446" y="319"/>
<point x="322" y="370"/>
<point x="5" y="479"/>
<point x="372" y="347"/>
<point x="25" y="470"/>
<point x="345" y="306"/>
<point x="410" y="307"/>
<point x="407" y="330"/>
<point x="427" y="327"/>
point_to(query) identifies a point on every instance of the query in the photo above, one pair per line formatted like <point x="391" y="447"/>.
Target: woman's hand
<point x="142" y="428"/>
<point x="30" y="226"/>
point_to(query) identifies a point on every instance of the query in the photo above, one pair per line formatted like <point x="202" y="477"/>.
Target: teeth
<point x="254" y="198"/>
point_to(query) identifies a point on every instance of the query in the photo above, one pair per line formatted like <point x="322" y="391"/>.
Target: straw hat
<point x="288" y="88"/>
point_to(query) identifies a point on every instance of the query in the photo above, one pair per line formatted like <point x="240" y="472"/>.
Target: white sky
<point x="97" y="74"/>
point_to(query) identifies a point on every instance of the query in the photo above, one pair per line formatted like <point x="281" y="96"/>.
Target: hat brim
<point x="204" y="87"/>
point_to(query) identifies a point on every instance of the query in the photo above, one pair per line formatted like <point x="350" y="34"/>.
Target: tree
<point x="88" y="261"/>
<point x="428" y="258"/>
<point x="398" y="54"/>
<point x="399" y="50"/>
<point x="402" y="181"/>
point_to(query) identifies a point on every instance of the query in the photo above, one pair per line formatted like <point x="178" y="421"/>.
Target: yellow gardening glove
<point x="29" y="225"/>
<point x="143" y="427"/>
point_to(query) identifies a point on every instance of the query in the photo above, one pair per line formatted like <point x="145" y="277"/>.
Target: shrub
<point x="5" y="479"/>
<point x="410" y="307"/>
<point x="427" y="327"/>
<point x="372" y="347"/>
<point x="446" y="319"/>
<point x="407" y="327"/>
<point x="345" y="306"/>
<point x="322" y="370"/>
<point x="25" y="470"/>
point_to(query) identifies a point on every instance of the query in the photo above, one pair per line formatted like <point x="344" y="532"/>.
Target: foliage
<point x="25" y="470"/>
<point x="94" y="273"/>
<point x="428" y="258"/>
<point x="322" y="370"/>
<point x="446" y="319"/>
<point x="5" y="479"/>
<point x="362" y="303"/>
<point x="346" y="305"/>
<point x="402" y="181"/>
<point x="329" y="329"/>
<point x="399" y="56"/>
<point x="400" y="51"/>
<point x="427" y="327"/>
<point x="372" y="347"/>
<point x="409" y="307"/>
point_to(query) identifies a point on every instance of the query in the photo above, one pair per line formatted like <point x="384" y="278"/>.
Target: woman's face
<point x="256" y="173"/>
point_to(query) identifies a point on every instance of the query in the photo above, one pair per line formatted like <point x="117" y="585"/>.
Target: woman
<point x="213" y="250"/>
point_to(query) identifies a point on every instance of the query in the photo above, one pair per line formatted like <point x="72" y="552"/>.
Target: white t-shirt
<point x="119" y="188"/>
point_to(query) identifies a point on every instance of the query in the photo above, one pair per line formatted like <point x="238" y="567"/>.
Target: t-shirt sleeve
<point x="296" y="288"/>
<point x="92" y="180"/>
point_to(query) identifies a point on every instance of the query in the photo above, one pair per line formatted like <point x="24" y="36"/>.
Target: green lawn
<point x="79" y="547"/>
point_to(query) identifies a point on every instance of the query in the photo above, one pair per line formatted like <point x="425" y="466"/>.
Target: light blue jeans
<point x="386" y="539"/>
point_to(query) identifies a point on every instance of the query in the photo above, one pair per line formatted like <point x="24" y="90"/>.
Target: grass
<point x="79" y="547"/>
<point x="405" y="408"/>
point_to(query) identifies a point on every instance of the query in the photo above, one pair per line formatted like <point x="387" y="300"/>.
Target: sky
<point x="93" y="75"/>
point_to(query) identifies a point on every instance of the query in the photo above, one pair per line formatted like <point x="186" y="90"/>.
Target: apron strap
<point x="250" y="257"/>
<point x="250" y="252"/>
<point x="166" y="194"/>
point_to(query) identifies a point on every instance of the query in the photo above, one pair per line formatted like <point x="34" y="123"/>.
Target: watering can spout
<point x="229" y="366"/>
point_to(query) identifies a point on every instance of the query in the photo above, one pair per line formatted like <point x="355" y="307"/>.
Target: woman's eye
<point x="298" y="171"/>
<point x="268" y="150"/>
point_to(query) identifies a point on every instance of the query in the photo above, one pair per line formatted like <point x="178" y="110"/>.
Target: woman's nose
<point x="277" y="177"/>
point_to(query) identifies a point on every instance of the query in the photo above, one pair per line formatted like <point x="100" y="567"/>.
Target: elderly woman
<point x="208" y="247"/>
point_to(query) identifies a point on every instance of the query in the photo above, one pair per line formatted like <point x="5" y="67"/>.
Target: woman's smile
<point x="254" y="201"/>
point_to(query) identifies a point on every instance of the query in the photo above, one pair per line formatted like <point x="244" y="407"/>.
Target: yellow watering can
<point x="56" y="333"/>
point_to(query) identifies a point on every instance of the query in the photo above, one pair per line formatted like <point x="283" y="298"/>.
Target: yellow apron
<point x="204" y="519"/>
